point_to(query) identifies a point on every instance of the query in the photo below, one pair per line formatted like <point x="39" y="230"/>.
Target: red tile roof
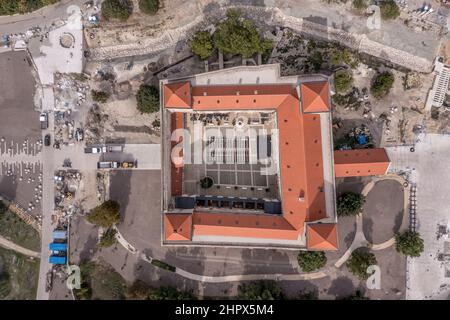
<point x="176" y="173"/>
<point x="360" y="162"/>
<point x="177" y="95"/>
<point x="321" y="236"/>
<point x="242" y="225"/>
<point x="315" y="96"/>
<point x="178" y="227"/>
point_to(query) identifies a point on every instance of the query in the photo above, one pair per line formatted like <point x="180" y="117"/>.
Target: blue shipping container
<point x="57" y="260"/>
<point x="59" y="234"/>
<point x="58" y="246"/>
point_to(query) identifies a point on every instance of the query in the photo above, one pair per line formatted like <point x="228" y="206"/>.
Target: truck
<point x="43" y="118"/>
<point x="54" y="259"/>
<point x="128" y="164"/>
<point x="108" y="165"/>
<point x="95" y="149"/>
<point x="60" y="234"/>
<point x="55" y="246"/>
<point x="116" y="148"/>
<point x="103" y="149"/>
<point x="116" y="165"/>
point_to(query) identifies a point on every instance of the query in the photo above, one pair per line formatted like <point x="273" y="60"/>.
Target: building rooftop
<point x="301" y="160"/>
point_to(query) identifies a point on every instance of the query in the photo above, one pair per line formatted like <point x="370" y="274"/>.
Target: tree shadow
<point x="341" y="288"/>
<point x="120" y="189"/>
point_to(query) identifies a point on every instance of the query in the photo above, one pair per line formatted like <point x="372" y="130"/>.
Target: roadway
<point x="48" y="202"/>
<point x="43" y="17"/>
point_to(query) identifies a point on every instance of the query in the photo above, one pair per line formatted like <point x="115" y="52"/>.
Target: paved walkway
<point x="360" y="239"/>
<point x="221" y="279"/>
<point x="5" y="243"/>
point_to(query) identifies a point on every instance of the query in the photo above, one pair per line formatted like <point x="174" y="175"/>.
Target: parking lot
<point x="20" y="132"/>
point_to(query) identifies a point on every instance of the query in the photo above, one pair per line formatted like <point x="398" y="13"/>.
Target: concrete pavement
<point x="428" y="166"/>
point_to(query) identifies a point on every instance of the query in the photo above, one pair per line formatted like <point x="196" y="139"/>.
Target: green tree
<point x="360" y="5"/>
<point x="108" y="238"/>
<point x="342" y="55"/>
<point x="358" y="295"/>
<point x="147" y="99"/>
<point x="343" y="81"/>
<point x="236" y="35"/>
<point x="382" y="84"/>
<point x="316" y="60"/>
<point x="149" y="6"/>
<point x="170" y="293"/>
<point x="3" y="207"/>
<point x="311" y="260"/>
<point x="260" y="290"/>
<point x="359" y="261"/>
<point x="202" y="45"/>
<point x="409" y="243"/>
<point x="105" y="215"/>
<point x="99" y="96"/>
<point x="309" y="295"/>
<point x="117" y="9"/>
<point x="139" y="290"/>
<point x="389" y="9"/>
<point x="5" y="284"/>
<point x="350" y="204"/>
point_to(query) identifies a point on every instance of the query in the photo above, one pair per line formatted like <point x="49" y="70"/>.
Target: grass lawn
<point x="18" y="276"/>
<point x="8" y="7"/>
<point x="105" y="283"/>
<point x="17" y="231"/>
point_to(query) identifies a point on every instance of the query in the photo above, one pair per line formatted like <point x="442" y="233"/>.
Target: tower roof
<point x="178" y="227"/>
<point x="177" y="95"/>
<point x="322" y="236"/>
<point x="315" y="96"/>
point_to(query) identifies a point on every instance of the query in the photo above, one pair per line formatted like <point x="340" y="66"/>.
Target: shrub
<point x="3" y="207"/>
<point x="343" y="81"/>
<point x="105" y="215"/>
<point x="350" y="204"/>
<point x="5" y="284"/>
<point x="342" y="55"/>
<point x="99" y="96"/>
<point x="202" y="45"/>
<point x="360" y="4"/>
<point x="358" y="295"/>
<point x="206" y="182"/>
<point x="382" y="84"/>
<point x="260" y="290"/>
<point x="316" y="60"/>
<point x="311" y="260"/>
<point x="147" y="99"/>
<point x="156" y="123"/>
<point x="359" y="262"/>
<point x="139" y="290"/>
<point x="409" y="243"/>
<point x="149" y="6"/>
<point x="236" y="35"/>
<point x="163" y="265"/>
<point x="108" y="238"/>
<point x="117" y="9"/>
<point x="170" y="293"/>
<point x="389" y="9"/>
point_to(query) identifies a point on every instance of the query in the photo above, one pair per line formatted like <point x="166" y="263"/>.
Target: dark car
<point x="47" y="140"/>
